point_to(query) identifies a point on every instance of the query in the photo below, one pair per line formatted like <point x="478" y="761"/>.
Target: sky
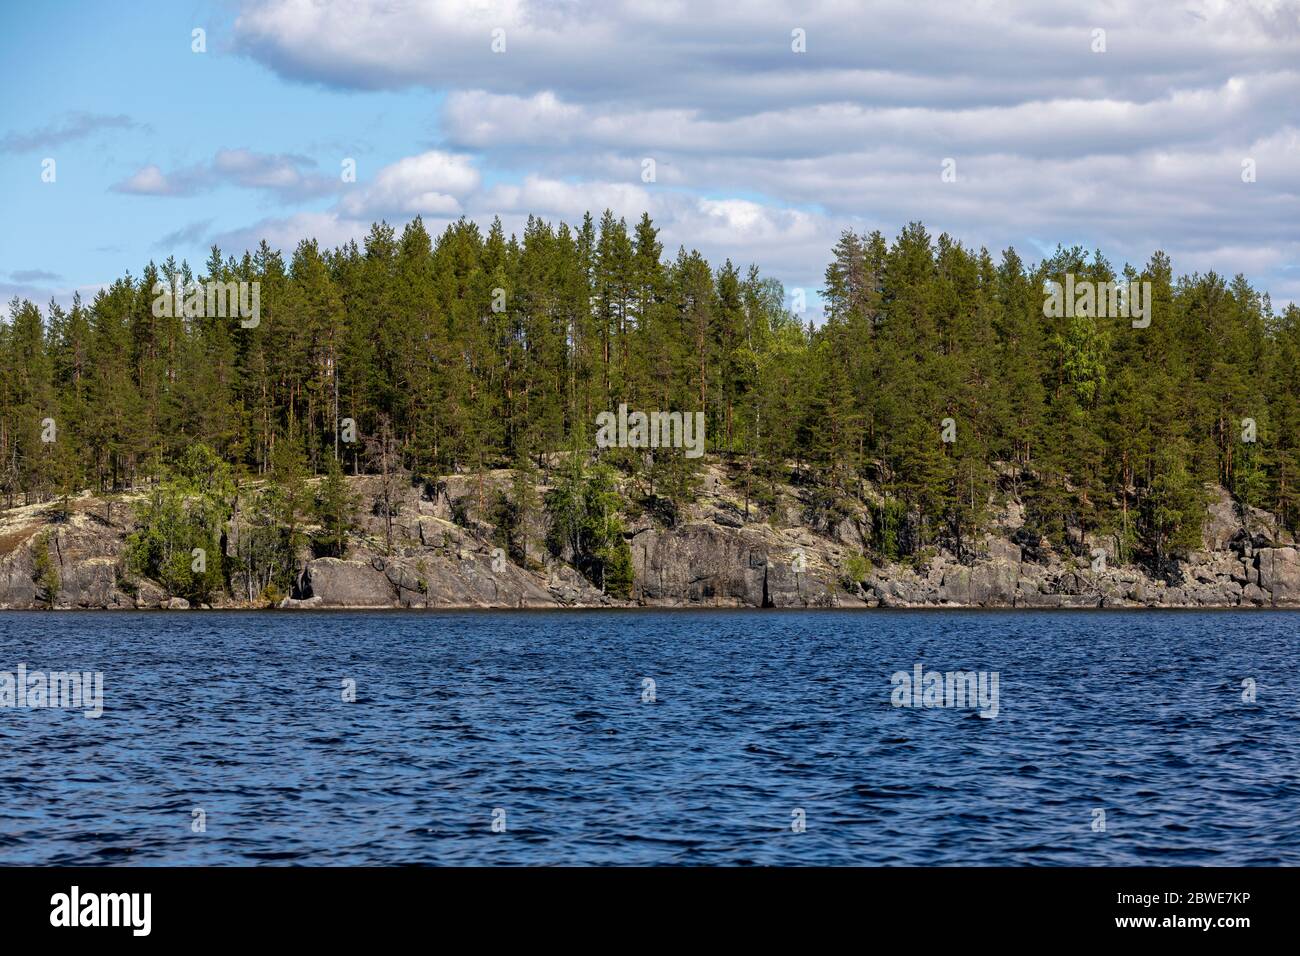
<point x="756" y="131"/>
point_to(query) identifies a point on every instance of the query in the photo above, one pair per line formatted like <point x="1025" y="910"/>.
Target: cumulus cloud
<point x="329" y="229"/>
<point x="793" y="243"/>
<point x="764" y="152"/>
<point x="1235" y="111"/>
<point x="628" y="50"/>
<point x="554" y="197"/>
<point x="427" y="184"/>
<point x="150" y="180"/>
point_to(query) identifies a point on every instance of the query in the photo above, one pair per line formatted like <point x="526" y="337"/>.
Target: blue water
<point x="756" y="715"/>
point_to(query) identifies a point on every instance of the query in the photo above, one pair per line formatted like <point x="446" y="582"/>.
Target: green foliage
<point x="45" y="572"/>
<point x="272" y="534"/>
<point x="288" y="497"/>
<point x="1175" y="508"/>
<point x="888" y="523"/>
<point x="335" y="511"/>
<point x="181" y="527"/>
<point x="585" y="528"/>
<point x="617" y="572"/>
<point x="1081" y="347"/>
<point x="515" y="511"/>
<point x="1089" y="423"/>
<point x="855" y="570"/>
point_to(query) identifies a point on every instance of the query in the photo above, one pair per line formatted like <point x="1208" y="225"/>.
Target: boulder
<point x="464" y="578"/>
<point x="1095" y="544"/>
<point x="1242" y="572"/>
<point x="1074" y="582"/>
<point x="1198" y="565"/>
<point x="411" y="588"/>
<point x="473" y="579"/>
<point x="567" y="587"/>
<point x="149" y="595"/>
<point x="1254" y="595"/>
<point x="728" y="518"/>
<point x="1013" y="516"/>
<point x="849" y="532"/>
<point x="784" y="586"/>
<point x="1219" y="594"/>
<point x="1264" y="531"/>
<point x="898" y="586"/>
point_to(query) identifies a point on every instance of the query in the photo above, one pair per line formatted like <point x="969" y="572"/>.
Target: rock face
<point x="17" y="579"/>
<point x="1279" y="575"/>
<point x="339" y="583"/>
<point x="1222" y="523"/>
<point x="707" y="564"/>
<point x="84" y="551"/>
<point x="437" y="549"/>
<point x="466" y="580"/>
<point x="1228" y="525"/>
<point x="994" y="584"/>
<point x="990" y="583"/>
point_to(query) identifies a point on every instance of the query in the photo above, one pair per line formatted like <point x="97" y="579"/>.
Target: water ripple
<point x="464" y="722"/>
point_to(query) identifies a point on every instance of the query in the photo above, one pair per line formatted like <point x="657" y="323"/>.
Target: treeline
<point x="479" y="350"/>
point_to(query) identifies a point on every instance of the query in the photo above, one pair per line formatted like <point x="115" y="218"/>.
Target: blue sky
<point x="762" y="153"/>
<point x="86" y="59"/>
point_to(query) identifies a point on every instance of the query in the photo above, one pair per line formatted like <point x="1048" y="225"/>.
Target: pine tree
<point x="478" y="351"/>
<point x="335" y="511"/>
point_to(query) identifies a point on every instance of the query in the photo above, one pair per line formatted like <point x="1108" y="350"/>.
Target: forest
<point x="933" y="387"/>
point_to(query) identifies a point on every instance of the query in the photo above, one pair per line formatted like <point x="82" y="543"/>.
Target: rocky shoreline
<point x="443" y="555"/>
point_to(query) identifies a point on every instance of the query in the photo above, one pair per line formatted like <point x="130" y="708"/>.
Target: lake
<point x="643" y="737"/>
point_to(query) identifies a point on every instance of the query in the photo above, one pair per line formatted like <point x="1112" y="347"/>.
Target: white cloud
<point x="427" y="184"/>
<point x="725" y="59"/>
<point x="1059" y="127"/>
<point x="328" y="228"/>
<point x="765" y="153"/>
<point x="553" y="197"/>
<point x="148" y="181"/>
